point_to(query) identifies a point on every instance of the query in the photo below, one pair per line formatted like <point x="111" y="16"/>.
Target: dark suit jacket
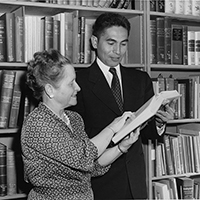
<point x="98" y="108"/>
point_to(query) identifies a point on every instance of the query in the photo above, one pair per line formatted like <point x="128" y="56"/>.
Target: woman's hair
<point x="107" y="20"/>
<point x="45" y="67"/>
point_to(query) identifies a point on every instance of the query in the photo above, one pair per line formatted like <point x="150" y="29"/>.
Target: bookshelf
<point x="179" y="71"/>
<point x="136" y="57"/>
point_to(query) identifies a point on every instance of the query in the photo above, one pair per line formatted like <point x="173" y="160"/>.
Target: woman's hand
<point x="126" y="143"/>
<point x="119" y="122"/>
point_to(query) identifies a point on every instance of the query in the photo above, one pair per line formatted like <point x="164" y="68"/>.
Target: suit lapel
<point x="101" y="89"/>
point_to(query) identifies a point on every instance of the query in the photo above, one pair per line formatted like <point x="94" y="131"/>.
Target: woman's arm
<point x="103" y="139"/>
<point x="111" y="154"/>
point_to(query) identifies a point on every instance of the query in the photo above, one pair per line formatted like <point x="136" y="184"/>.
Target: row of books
<point x="13" y="105"/>
<point x="177" y="154"/>
<point x="177" y="188"/>
<point x="184" y="7"/>
<point x="120" y="4"/>
<point x="8" y="183"/>
<point x="12" y="36"/>
<point x="174" y="43"/>
<point x="188" y="105"/>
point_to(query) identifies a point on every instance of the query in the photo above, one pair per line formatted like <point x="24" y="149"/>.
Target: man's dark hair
<point x="107" y="20"/>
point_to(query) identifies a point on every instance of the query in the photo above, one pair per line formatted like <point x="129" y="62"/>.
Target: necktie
<point x="116" y="89"/>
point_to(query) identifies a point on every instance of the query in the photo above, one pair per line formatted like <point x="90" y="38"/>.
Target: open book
<point x="145" y="112"/>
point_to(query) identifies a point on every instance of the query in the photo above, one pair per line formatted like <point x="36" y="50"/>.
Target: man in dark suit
<point x="96" y="103"/>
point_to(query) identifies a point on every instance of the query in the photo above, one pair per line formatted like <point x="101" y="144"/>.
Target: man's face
<point x="112" y="45"/>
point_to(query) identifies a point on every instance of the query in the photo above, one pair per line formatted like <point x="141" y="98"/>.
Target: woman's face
<point x="66" y="93"/>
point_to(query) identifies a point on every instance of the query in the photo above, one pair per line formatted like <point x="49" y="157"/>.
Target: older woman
<point x="59" y="158"/>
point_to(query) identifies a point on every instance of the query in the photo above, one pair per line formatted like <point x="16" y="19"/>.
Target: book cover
<point x="2" y="41"/>
<point x="19" y="15"/>
<point x="56" y="34"/>
<point x="145" y="112"/>
<point x="191" y="47"/>
<point x="167" y="40"/>
<point x="3" y="174"/>
<point x="11" y="173"/>
<point x="177" y="44"/>
<point x="10" y="36"/>
<point x="185" y="187"/>
<point x="15" y="105"/>
<point x="7" y="85"/>
<point x="153" y="41"/>
<point x="160" y="45"/>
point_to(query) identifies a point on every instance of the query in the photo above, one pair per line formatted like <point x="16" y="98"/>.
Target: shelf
<point x="182" y="121"/>
<point x="16" y="196"/>
<point x="9" y="130"/>
<point x="13" y="65"/>
<point x="53" y="9"/>
<point x="174" y="67"/>
<point x="175" y="175"/>
<point x="178" y="17"/>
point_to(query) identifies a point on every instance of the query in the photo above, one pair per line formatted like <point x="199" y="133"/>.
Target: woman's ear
<point x="94" y="41"/>
<point x="49" y="90"/>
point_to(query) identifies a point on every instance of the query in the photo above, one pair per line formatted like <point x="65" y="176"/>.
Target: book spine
<point x="10" y="37"/>
<point x="160" y="40"/>
<point x="196" y="7"/>
<point x="169" y="6"/>
<point x="197" y="47"/>
<point x="15" y="105"/>
<point x="188" y="7"/>
<point x="179" y="6"/>
<point x="177" y="44"/>
<point x="48" y="32"/>
<point x="11" y="173"/>
<point x="185" y="45"/>
<point x="3" y="172"/>
<point x="2" y="41"/>
<point x="160" y="6"/>
<point x="82" y="38"/>
<point x="8" y="79"/>
<point x="170" y="166"/>
<point x="56" y="34"/>
<point x="152" y="4"/>
<point x="69" y="48"/>
<point x="191" y="48"/>
<point x="20" y="34"/>
<point x="167" y="42"/>
<point x="153" y="56"/>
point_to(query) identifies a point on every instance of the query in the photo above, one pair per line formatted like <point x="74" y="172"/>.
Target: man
<point x="96" y="103"/>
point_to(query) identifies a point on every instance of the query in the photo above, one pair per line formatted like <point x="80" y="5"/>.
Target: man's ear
<point x="49" y="90"/>
<point x="94" y="41"/>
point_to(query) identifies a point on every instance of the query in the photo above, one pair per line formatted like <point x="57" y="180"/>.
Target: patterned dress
<point x="58" y="161"/>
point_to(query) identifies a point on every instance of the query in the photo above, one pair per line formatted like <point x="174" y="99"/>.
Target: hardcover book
<point x="145" y="112"/>
<point x="3" y="174"/>
<point x="7" y="85"/>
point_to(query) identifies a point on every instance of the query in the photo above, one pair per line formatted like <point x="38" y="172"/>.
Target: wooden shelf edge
<point x="16" y="196"/>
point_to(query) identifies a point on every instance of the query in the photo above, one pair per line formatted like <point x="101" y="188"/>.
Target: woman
<point x="59" y="158"/>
